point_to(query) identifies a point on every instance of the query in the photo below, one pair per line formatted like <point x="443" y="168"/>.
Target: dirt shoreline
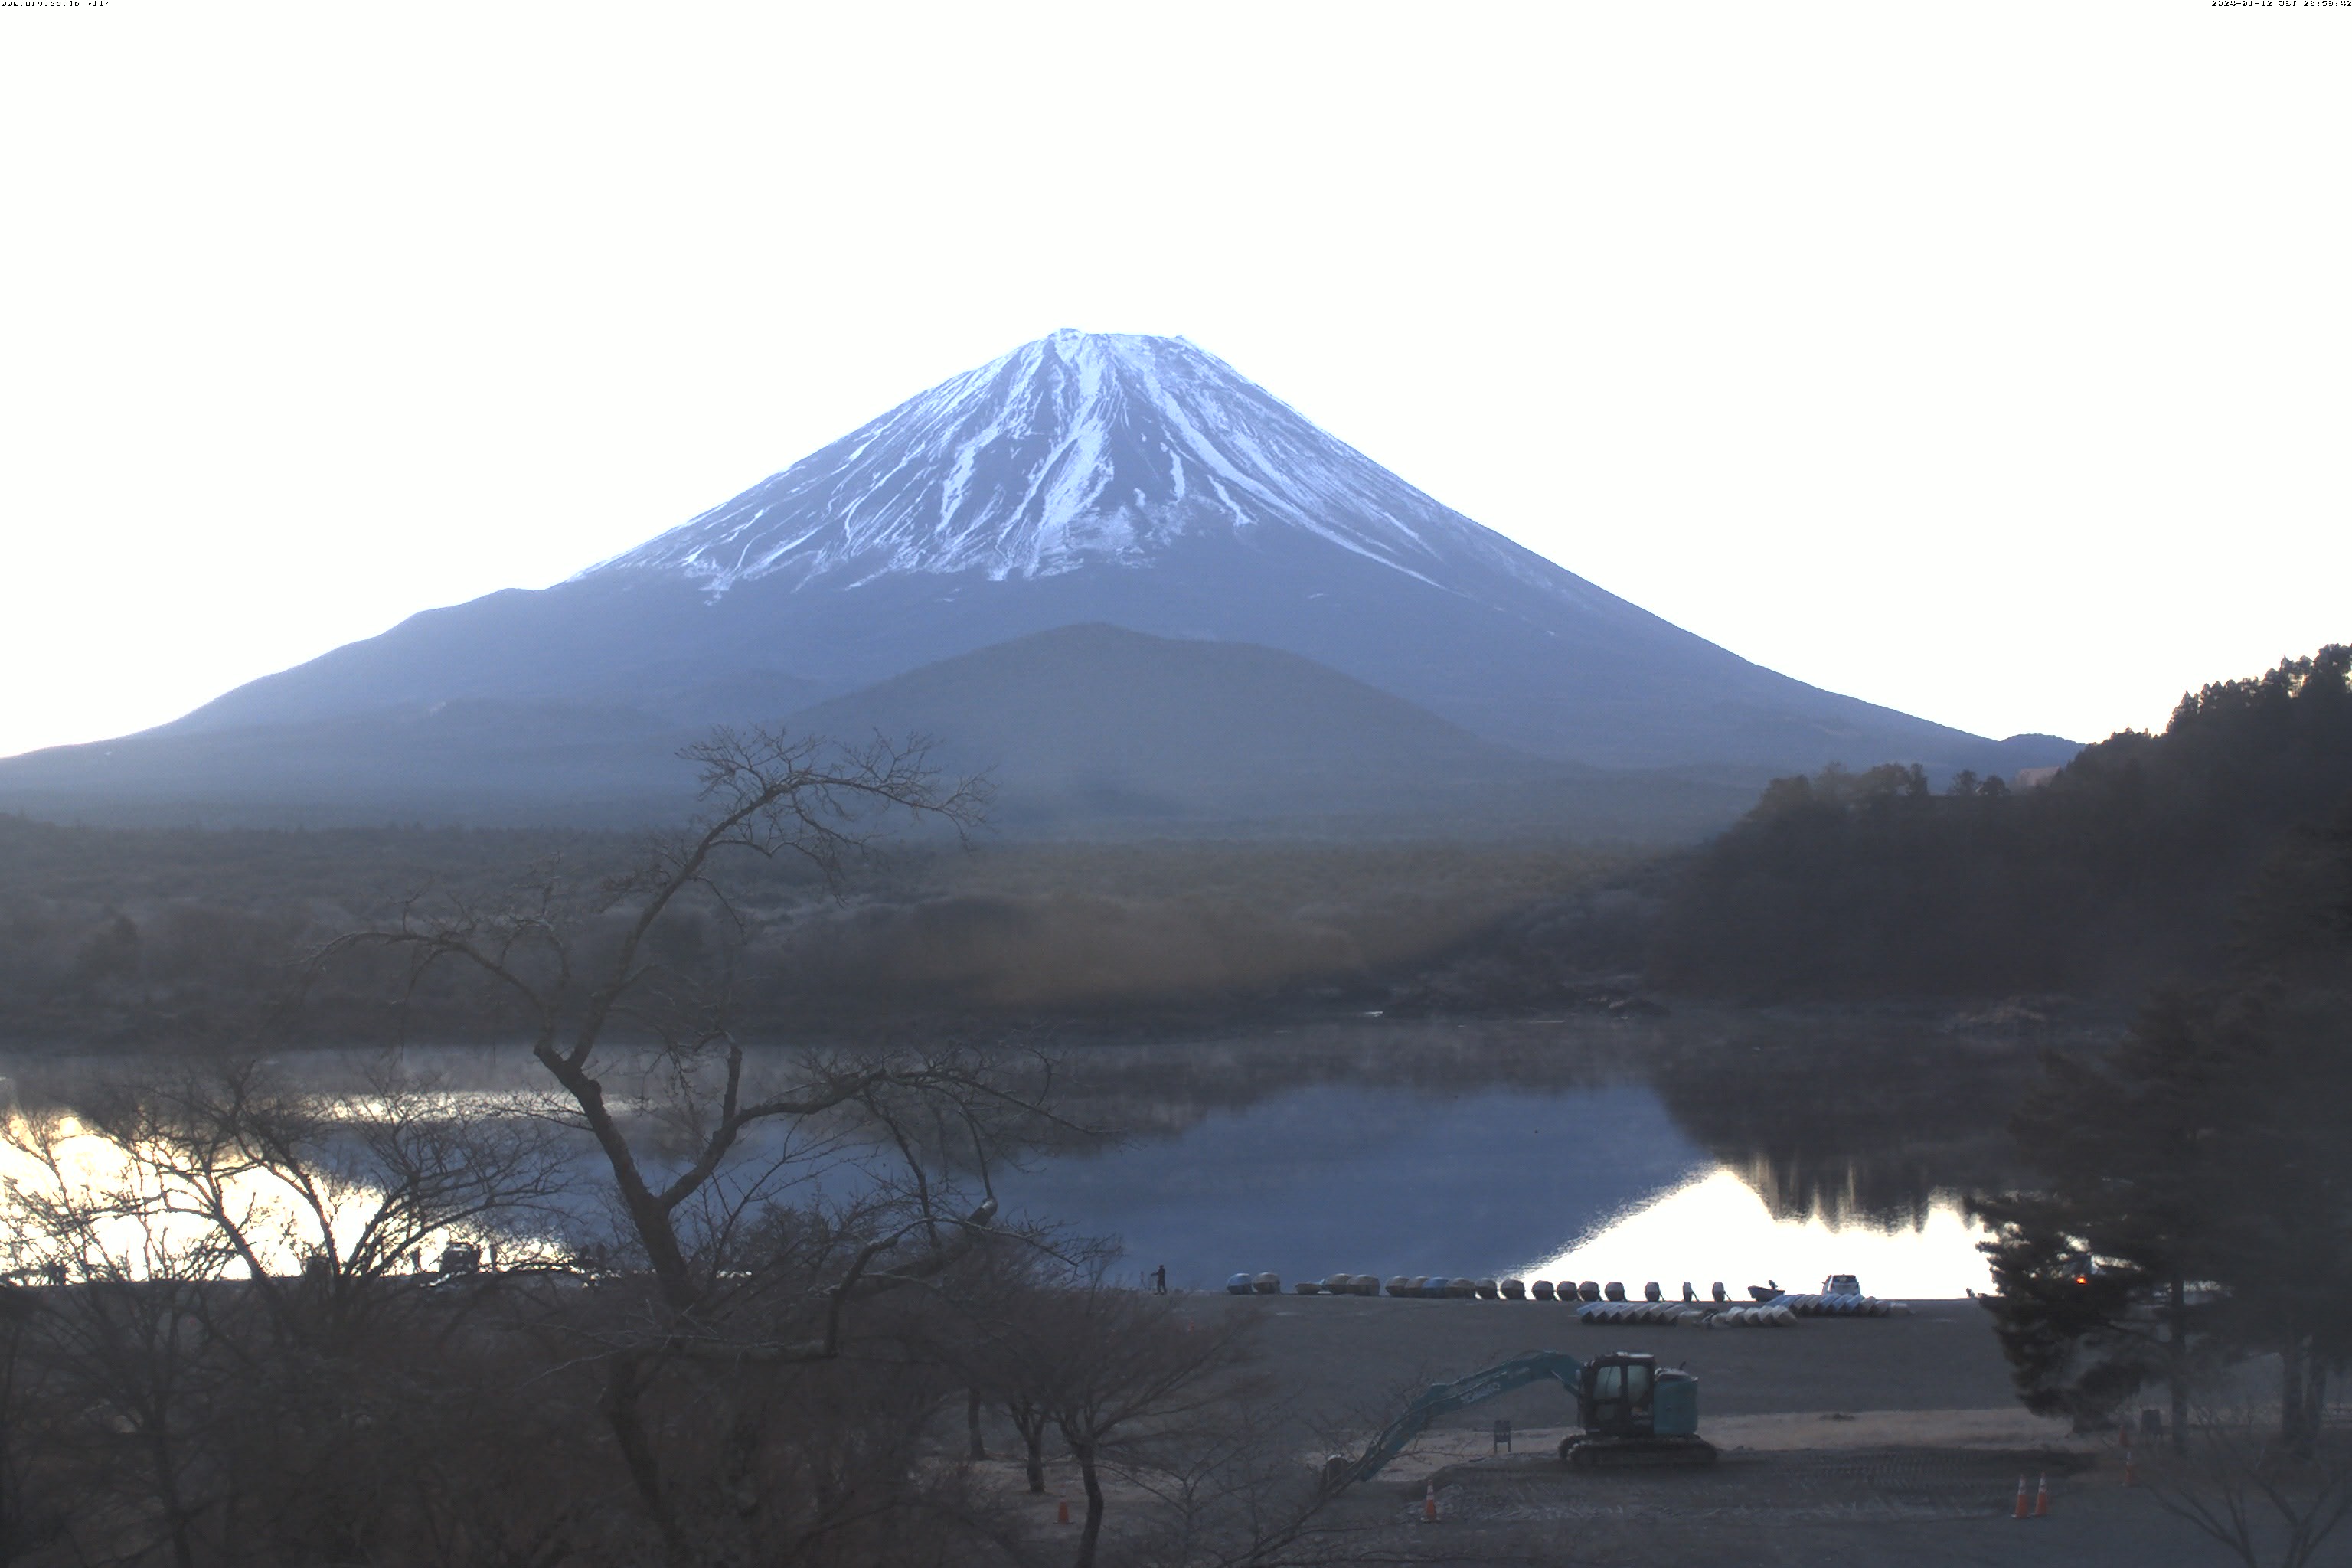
<point x="1859" y="1441"/>
<point x="1342" y="1351"/>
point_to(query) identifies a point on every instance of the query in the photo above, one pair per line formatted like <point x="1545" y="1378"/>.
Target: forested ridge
<point x="2180" y="1215"/>
<point x="2123" y="871"/>
<point x="2191" y="1206"/>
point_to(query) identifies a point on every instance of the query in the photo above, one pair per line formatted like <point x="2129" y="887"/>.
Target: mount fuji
<point x="1119" y="484"/>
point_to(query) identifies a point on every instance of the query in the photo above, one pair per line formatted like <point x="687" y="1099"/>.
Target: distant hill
<point x="1093" y="723"/>
<point x="468" y="761"/>
<point x="1086" y="729"/>
<point x="1098" y="721"/>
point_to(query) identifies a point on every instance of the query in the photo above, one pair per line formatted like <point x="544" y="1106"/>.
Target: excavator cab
<point x="1630" y="1411"/>
<point x="1617" y="1396"/>
<point x="1634" y="1411"/>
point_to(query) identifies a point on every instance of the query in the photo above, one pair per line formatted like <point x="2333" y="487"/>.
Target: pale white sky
<point x="1988" y="360"/>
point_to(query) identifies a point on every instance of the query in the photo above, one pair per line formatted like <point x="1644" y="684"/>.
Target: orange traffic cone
<point x="1429" y="1504"/>
<point x="2020" y="1499"/>
<point x="1062" y="1515"/>
<point x="2042" y="1496"/>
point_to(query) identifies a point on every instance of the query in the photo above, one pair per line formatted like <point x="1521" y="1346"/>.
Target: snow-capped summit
<point x="1079" y="449"/>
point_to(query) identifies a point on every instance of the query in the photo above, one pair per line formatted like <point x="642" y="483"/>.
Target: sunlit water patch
<point x="1716" y="1227"/>
<point x="74" y="1205"/>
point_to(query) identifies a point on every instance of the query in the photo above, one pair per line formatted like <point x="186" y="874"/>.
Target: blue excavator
<point x="1631" y="1412"/>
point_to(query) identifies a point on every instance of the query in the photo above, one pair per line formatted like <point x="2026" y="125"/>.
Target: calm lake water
<point x="1589" y="1183"/>
<point x="1728" y="1146"/>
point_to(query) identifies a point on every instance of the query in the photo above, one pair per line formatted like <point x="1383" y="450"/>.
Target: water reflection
<point x="1592" y="1184"/>
<point x="1716" y="1226"/>
<point x="220" y="1170"/>
<point x="75" y="1204"/>
<point x="1381" y="1181"/>
<point x="1732" y="1146"/>
<point x="1855" y="1120"/>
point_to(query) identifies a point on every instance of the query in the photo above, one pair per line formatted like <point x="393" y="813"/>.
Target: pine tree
<point x="2208" y="1147"/>
<point x="2094" y="1270"/>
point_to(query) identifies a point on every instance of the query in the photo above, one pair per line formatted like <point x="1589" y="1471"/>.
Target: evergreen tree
<point x="2283" y="1193"/>
<point x="2209" y="1147"/>
<point x="2093" y="1271"/>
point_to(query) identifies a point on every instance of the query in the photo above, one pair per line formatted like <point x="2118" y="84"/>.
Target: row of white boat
<point x="1594" y="1303"/>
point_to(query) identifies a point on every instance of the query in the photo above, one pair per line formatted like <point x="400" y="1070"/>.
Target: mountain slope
<point x="1089" y="729"/>
<point x="1140" y="482"/>
<point x="1081" y="480"/>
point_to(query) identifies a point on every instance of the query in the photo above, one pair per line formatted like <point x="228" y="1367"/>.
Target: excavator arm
<point x="1445" y="1398"/>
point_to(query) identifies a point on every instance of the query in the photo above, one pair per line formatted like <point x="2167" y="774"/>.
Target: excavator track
<point x="1629" y="1453"/>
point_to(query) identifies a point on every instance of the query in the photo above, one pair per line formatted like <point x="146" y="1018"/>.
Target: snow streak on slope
<point x="1077" y="449"/>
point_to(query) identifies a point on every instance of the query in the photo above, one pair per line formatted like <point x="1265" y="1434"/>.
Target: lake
<point x="1708" y="1146"/>
<point x="1587" y="1185"/>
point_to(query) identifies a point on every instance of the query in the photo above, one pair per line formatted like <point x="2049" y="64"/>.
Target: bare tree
<point x="123" y="1333"/>
<point x="761" y="1378"/>
<point x="1124" y="1378"/>
<point x="1033" y="1420"/>
<point x="31" y="1513"/>
<point x="768" y="1196"/>
<point x="215" y="1244"/>
<point x="1232" y="1493"/>
<point x="2267" y="1500"/>
<point x="1158" y="1396"/>
<point x="992" y="1338"/>
<point x="763" y="796"/>
<point x="316" y="1196"/>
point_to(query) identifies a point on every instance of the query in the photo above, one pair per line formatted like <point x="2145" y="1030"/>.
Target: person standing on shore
<point x="1159" y="1280"/>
